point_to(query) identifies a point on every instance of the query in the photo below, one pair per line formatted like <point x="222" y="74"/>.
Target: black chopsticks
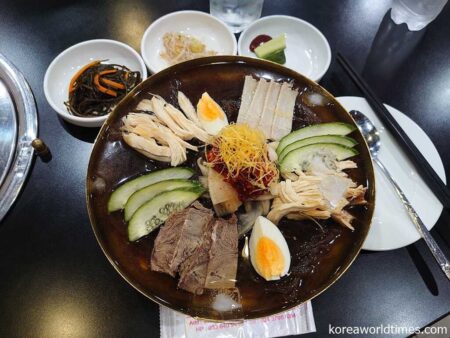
<point x="427" y="172"/>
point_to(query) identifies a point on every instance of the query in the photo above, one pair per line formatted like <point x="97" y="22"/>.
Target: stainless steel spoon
<point x="372" y="137"/>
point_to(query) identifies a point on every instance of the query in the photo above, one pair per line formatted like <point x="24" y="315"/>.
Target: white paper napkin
<point x="292" y="322"/>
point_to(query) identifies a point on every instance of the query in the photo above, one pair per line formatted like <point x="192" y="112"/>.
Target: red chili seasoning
<point x="241" y="183"/>
<point x="260" y="39"/>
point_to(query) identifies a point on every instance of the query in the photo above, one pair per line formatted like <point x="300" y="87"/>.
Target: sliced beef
<point x="202" y="249"/>
<point x="197" y="219"/>
<point x="193" y="276"/>
<point x="166" y="242"/>
<point x="223" y="255"/>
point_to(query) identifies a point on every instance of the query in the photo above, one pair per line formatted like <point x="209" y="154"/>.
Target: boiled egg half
<point x="269" y="252"/>
<point x="211" y="115"/>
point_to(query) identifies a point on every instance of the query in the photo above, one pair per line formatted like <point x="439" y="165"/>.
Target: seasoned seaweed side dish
<point x="97" y="87"/>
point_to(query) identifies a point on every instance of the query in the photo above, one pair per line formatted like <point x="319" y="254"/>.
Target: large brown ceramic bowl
<point x="319" y="257"/>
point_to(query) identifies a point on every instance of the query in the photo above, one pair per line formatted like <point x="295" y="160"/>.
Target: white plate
<point x="391" y="226"/>
<point x="65" y="65"/>
<point x="307" y="50"/>
<point x="206" y="28"/>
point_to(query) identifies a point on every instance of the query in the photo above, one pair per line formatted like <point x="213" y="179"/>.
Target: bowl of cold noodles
<point x="230" y="188"/>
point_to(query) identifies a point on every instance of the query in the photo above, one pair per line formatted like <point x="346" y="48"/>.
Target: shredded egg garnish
<point x="243" y="150"/>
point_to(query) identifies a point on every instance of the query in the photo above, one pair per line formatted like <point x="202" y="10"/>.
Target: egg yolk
<point x="208" y="108"/>
<point x="269" y="258"/>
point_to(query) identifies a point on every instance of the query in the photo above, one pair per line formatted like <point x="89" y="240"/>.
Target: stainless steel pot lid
<point x="18" y="128"/>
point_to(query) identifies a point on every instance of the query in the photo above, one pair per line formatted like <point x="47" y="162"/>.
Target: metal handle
<point x="432" y="245"/>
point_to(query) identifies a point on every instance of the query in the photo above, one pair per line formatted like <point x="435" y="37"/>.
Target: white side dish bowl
<point x="206" y="28"/>
<point x="66" y="64"/>
<point x="307" y="50"/>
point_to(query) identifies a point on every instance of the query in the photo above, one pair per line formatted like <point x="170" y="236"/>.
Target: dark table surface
<point x="55" y="280"/>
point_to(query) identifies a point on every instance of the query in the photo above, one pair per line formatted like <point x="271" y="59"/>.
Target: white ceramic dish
<point x="307" y="50"/>
<point x="66" y="64"/>
<point x="391" y="226"/>
<point x="208" y="29"/>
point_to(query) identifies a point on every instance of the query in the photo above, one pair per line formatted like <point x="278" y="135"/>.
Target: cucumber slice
<point x="271" y="47"/>
<point x="155" y="212"/>
<point x="277" y="57"/>
<point x="146" y="194"/>
<point x="300" y="158"/>
<point x="342" y="140"/>
<point x="330" y="128"/>
<point x="120" y="196"/>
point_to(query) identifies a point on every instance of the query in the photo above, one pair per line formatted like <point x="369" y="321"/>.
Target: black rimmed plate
<point x="319" y="257"/>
